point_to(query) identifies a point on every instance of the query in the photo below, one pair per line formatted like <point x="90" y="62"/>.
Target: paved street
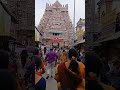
<point x="51" y="83"/>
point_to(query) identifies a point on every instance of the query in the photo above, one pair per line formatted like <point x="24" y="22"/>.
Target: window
<point x="56" y="34"/>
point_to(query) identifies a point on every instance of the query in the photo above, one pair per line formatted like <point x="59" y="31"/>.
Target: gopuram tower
<point x="56" y="26"/>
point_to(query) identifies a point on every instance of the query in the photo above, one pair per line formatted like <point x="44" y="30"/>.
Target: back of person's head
<point x="45" y="48"/>
<point x="36" y="51"/>
<point x="24" y="52"/>
<point x="72" y="54"/>
<point x="74" y="67"/>
<point x="4" y="60"/>
<point x="92" y="63"/>
<point x="7" y="81"/>
<point x="63" y="50"/>
<point x="51" y="49"/>
<point x="38" y="62"/>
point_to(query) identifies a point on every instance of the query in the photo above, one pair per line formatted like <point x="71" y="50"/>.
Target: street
<point x="51" y="83"/>
<point x="81" y="36"/>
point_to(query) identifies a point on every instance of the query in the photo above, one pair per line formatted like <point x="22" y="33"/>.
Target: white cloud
<point x="79" y="8"/>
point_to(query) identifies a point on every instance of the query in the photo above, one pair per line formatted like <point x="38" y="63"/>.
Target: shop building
<point x="107" y="38"/>
<point x="7" y="29"/>
<point x="80" y="34"/>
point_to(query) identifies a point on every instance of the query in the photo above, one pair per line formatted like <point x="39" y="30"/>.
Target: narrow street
<point x="51" y="83"/>
<point x="79" y="39"/>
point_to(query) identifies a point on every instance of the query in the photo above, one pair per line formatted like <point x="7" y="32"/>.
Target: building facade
<point x="107" y="38"/>
<point x="7" y="28"/>
<point x="80" y="31"/>
<point x="38" y="37"/>
<point x="56" y="26"/>
<point x="23" y="11"/>
<point x="89" y="24"/>
<point x="108" y="17"/>
<point x="80" y="34"/>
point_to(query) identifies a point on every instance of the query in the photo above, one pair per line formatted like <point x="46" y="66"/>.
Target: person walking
<point x="93" y="73"/>
<point x="70" y="75"/>
<point x="24" y="56"/>
<point x="7" y="79"/>
<point x="58" y="53"/>
<point x="51" y="57"/>
<point x="40" y="82"/>
<point x="42" y="71"/>
<point x="45" y="49"/>
<point x="63" y="56"/>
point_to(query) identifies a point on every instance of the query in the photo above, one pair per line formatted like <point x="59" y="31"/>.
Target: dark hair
<point x="24" y="52"/>
<point x="63" y="50"/>
<point x="45" y="48"/>
<point x="92" y="63"/>
<point x="36" y="51"/>
<point x="7" y="81"/>
<point x="24" y="59"/>
<point x="73" y="64"/>
<point x="74" y="67"/>
<point x="51" y="49"/>
<point x="4" y="60"/>
<point x="38" y="62"/>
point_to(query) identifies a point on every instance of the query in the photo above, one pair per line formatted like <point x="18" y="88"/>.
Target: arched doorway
<point x="56" y="42"/>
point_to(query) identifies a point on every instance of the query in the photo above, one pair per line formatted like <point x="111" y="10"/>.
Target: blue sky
<point x="40" y="6"/>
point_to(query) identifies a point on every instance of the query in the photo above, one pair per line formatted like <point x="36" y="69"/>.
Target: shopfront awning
<point x="7" y="38"/>
<point x="82" y="41"/>
<point x="112" y="37"/>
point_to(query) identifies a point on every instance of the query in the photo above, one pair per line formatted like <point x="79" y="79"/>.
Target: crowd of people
<point x="86" y="68"/>
<point x="74" y="70"/>
<point x="69" y="71"/>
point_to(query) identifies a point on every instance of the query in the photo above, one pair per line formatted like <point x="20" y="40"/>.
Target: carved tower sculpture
<point x="56" y="26"/>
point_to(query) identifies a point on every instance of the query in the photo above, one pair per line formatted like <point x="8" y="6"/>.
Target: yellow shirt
<point x="63" y="57"/>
